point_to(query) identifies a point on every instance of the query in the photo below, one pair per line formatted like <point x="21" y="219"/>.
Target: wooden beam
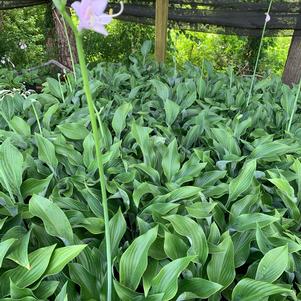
<point x="161" y="29"/>
<point x="292" y="70"/>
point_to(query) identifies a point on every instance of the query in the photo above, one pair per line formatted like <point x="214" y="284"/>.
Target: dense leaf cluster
<point x="204" y="192"/>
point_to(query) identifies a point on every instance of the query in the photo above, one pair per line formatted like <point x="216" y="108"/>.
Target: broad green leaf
<point x="185" y="226"/>
<point x="4" y="247"/>
<point x="119" y="119"/>
<point x="141" y="135"/>
<point x="54" y="86"/>
<point x="46" y="151"/>
<point x="221" y="268"/>
<point x="287" y="194"/>
<point x="181" y="193"/>
<point x="11" y="168"/>
<point x="46" y="289"/>
<point x="127" y="294"/>
<point x="227" y="140"/>
<point x="117" y="226"/>
<point x="171" y="160"/>
<point x="172" y="111"/>
<point x="55" y="221"/>
<point x="133" y="262"/>
<point x="62" y="296"/>
<point x="174" y="246"/>
<point x="273" y="264"/>
<point x="191" y="289"/>
<point x="17" y="292"/>
<point x="89" y="284"/>
<point x="35" y="186"/>
<point x="246" y="222"/>
<point x="61" y="257"/>
<point x="200" y="210"/>
<point x="243" y="181"/>
<point x="250" y="290"/>
<point x="74" y="131"/>
<point x="272" y="150"/>
<point x="241" y="242"/>
<point x="23" y="277"/>
<point x="167" y="279"/>
<point x="48" y="115"/>
<point x="161" y="88"/>
<point x="19" y="251"/>
<point x="21" y="126"/>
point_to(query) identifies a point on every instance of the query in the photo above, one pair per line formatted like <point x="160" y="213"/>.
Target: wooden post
<point x="292" y="70"/>
<point x="161" y="29"/>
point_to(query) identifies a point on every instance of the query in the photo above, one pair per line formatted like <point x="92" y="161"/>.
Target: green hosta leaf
<point x="23" y="277"/>
<point x="221" y="267"/>
<point x="185" y="226"/>
<point x="226" y="139"/>
<point x="55" y="221"/>
<point x="89" y="284"/>
<point x="46" y="289"/>
<point x="174" y="246"/>
<point x="4" y="247"/>
<point x="48" y="115"/>
<point x="241" y="242"/>
<point x="62" y="296"/>
<point x="243" y="181"/>
<point x="191" y="289"/>
<point x="126" y="294"/>
<point x="250" y="290"/>
<point x="246" y="222"/>
<point x="286" y="192"/>
<point x="20" y="126"/>
<point x="119" y="119"/>
<point x="19" y="251"/>
<point x="200" y="210"/>
<point x="273" y="264"/>
<point x="61" y="257"/>
<point x="141" y="135"/>
<point x="11" y="168"/>
<point x="54" y="86"/>
<point x="46" y="151"/>
<point x="171" y="160"/>
<point x="74" y="131"/>
<point x="167" y="279"/>
<point x="272" y="150"/>
<point x="181" y="193"/>
<point x="133" y="262"/>
<point x="17" y="292"/>
<point x="172" y="111"/>
<point x="117" y="228"/>
<point x="161" y="88"/>
<point x="35" y="186"/>
<point x="150" y="274"/>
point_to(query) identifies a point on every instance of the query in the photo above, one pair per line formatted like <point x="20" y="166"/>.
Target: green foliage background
<point x="31" y="25"/>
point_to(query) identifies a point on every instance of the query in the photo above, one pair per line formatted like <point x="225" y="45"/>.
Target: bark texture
<point x="292" y="70"/>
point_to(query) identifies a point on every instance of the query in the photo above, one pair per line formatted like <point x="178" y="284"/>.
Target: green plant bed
<point x="204" y="192"/>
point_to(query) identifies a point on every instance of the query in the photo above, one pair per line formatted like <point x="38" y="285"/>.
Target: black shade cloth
<point x="220" y="16"/>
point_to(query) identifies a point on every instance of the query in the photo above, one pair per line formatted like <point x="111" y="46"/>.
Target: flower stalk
<point x="267" y="19"/>
<point x="99" y="27"/>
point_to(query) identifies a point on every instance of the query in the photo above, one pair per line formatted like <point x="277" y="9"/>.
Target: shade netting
<point x="221" y="16"/>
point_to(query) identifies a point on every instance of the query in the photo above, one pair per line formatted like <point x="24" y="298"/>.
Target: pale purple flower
<point x="267" y="17"/>
<point x="22" y="45"/>
<point x="91" y="15"/>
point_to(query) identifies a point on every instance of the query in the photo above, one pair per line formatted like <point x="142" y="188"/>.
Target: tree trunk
<point x="292" y="70"/>
<point x="64" y="55"/>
